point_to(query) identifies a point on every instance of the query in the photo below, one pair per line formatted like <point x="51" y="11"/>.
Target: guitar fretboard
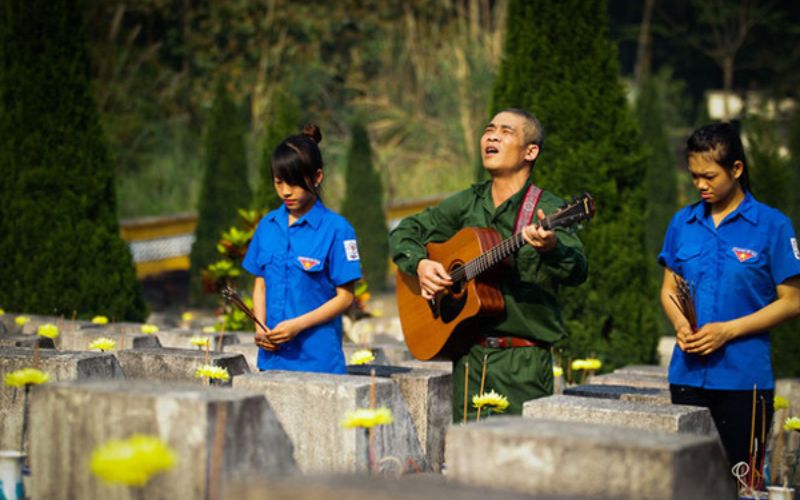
<point x="491" y="257"/>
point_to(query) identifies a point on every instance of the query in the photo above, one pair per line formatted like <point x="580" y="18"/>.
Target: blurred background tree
<point x="60" y="249"/>
<point x="592" y="143"/>
<point x="225" y="185"/>
<point x="363" y="207"/>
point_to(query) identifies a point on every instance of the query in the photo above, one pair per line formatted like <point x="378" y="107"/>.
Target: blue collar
<point x="747" y="209"/>
<point x="313" y="217"/>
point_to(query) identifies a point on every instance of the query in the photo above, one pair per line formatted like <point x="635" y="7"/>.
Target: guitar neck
<point x="491" y="257"/>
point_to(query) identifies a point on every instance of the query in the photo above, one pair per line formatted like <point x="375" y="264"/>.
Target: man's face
<point x="503" y="145"/>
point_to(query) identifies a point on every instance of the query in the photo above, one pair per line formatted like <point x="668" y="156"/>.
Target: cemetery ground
<point x="151" y="411"/>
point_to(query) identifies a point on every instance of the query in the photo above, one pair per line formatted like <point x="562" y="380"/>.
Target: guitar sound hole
<point x="450" y="306"/>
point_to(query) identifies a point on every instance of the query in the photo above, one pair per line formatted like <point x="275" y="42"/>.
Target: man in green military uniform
<point x="515" y="344"/>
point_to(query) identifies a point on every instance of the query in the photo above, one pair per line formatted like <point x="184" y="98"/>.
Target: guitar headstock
<point x="580" y="209"/>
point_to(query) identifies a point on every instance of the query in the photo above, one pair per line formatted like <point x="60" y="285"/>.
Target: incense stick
<point x="752" y="436"/>
<point x="483" y="378"/>
<point x="232" y="297"/>
<point x="684" y="301"/>
<point x="466" y="389"/>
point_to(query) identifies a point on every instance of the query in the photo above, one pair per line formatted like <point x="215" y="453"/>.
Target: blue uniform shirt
<point x="302" y="265"/>
<point x="733" y="270"/>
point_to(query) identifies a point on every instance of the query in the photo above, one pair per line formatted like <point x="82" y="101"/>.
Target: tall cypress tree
<point x="60" y="249"/>
<point x="661" y="183"/>
<point x="282" y="122"/>
<point x="559" y="64"/>
<point x="225" y="188"/>
<point x="363" y="207"/>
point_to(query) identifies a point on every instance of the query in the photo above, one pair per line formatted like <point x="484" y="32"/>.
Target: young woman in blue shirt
<point x="305" y="261"/>
<point x="741" y="259"/>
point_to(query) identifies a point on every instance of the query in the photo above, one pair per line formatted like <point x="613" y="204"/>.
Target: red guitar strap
<point x="528" y="208"/>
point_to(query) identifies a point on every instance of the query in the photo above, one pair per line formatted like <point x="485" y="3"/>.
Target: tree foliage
<point x="565" y="72"/>
<point x="225" y="188"/>
<point x="60" y="249"/>
<point x="282" y="122"/>
<point x="363" y="208"/>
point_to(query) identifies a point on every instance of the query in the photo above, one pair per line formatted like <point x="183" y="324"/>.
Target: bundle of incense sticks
<point x="231" y="296"/>
<point x="685" y="301"/>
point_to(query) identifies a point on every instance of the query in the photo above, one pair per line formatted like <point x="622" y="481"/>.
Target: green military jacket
<point x="530" y="286"/>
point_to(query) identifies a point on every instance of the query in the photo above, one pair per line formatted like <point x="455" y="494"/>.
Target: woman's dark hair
<point x="297" y="158"/>
<point x="721" y="142"/>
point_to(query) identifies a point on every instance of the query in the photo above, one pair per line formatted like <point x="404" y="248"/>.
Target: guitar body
<point x="445" y="327"/>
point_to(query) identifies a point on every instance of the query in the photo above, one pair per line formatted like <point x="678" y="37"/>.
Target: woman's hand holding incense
<point x="262" y="340"/>
<point x="286" y="331"/>
<point x="682" y="334"/>
<point x="708" y="339"/>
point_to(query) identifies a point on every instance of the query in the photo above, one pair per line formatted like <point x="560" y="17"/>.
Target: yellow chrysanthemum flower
<point x="366" y="418"/>
<point x="103" y="343"/>
<point x="100" y="320"/>
<point x="21" y="320"/>
<point x="213" y="372"/>
<point x="187" y="317"/>
<point x="558" y="371"/>
<point x="593" y="364"/>
<point x="2" y="312"/>
<point x="26" y="376"/>
<point x="199" y="341"/>
<point x="209" y="329"/>
<point x="589" y="364"/>
<point x="578" y="365"/>
<point x="792" y="424"/>
<point x="498" y="402"/>
<point x="149" y="329"/>
<point x="48" y="330"/>
<point x="361" y="357"/>
<point x="132" y="461"/>
<point x="780" y="403"/>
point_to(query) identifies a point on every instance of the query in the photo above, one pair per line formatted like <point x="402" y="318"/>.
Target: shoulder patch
<point x="351" y="249"/>
<point x="795" y="249"/>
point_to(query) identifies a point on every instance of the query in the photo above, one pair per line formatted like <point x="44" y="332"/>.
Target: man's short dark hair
<point x="533" y="130"/>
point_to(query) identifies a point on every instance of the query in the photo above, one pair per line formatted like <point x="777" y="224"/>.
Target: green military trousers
<point x="518" y="373"/>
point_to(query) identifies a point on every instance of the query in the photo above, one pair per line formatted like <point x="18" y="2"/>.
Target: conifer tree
<point x="281" y="123"/>
<point x="60" y="249"/>
<point x="363" y="207"/>
<point x="559" y="65"/>
<point x="661" y="183"/>
<point x="225" y="188"/>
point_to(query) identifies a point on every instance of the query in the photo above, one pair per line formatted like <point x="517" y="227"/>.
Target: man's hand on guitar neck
<point x="433" y="278"/>
<point x="539" y="238"/>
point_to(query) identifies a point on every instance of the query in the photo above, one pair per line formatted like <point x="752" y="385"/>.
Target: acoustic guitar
<point x="443" y="327"/>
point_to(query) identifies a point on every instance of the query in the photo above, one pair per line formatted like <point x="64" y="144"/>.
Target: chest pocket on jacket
<point x="689" y="262"/>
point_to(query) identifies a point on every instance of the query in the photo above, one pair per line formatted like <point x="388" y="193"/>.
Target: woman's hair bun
<point x="313" y="131"/>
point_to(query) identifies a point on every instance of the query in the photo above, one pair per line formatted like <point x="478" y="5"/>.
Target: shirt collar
<point x="313" y="217"/>
<point x="747" y="209"/>
<point x="484" y="190"/>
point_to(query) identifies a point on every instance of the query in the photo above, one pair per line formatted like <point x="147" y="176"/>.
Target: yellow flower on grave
<point x="366" y="418"/>
<point x="497" y="402"/>
<point x="593" y="364"/>
<point x="2" y="312"/>
<point x="209" y="329"/>
<point x="213" y="373"/>
<point x="100" y="320"/>
<point x="187" y="317"/>
<point x="781" y="403"/>
<point x="578" y="365"/>
<point x="26" y="376"/>
<point x="558" y="371"/>
<point x="792" y="424"/>
<point x="149" y="329"/>
<point x="103" y="343"/>
<point x="21" y="320"/>
<point x="132" y="461"/>
<point x="48" y="330"/>
<point x="361" y="357"/>
<point x="199" y="341"/>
